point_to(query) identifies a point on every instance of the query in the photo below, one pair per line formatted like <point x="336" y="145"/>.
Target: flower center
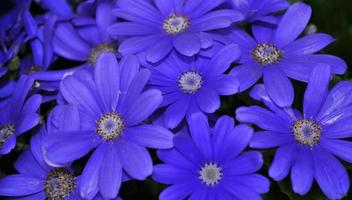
<point x="210" y="174"/>
<point x="190" y="82"/>
<point x="175" y="24"/>
<point x="59" y="184"/>
<point x="32" y="69"/>
<point x="266" y="54"/>
<point x="307" y="132"/>
<point x="98" y="50"/>
<point x="110" y="126"/>
<point x="6" y="131"/>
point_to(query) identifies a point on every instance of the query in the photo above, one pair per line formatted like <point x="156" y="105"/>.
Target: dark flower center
<point x="6" y="131"/>
<point x="210" y="174"/>
<point x="32" y="69"/>
<point x="59" y="184"/>
<point x="307" y="132"/>
<point x="98" y="50"/>
<point x="110" y="126"/>
<point x="190" y="82"/>
<point x="266" y="54"/>
<point x="175" y="24"/>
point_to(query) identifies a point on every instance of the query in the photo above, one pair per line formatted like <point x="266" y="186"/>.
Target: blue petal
<point x="20" y="185"/>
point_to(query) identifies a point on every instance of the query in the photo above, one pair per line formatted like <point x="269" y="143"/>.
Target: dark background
<point x="329" y="16"/>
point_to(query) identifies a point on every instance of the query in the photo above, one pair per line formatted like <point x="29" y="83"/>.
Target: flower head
<point x="18" y="115"/>
<point x="36" y="179"/>
<point x="277" y="54"/>
<point x="259" y="10"/>
<point x="210" y="164"/>
<point x="11" y="31"/>
<point x="307" y="143"/>
<point x="192" y="85"/>
<point x="156" y="28"/>
<point x="85" y="37"/>
<point x="111" y="104"/>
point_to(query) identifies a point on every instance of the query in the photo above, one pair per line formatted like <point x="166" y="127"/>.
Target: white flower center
<point x="307" y="132"/>
<point x="266" y="54"/>
<point x="6" y="131"/>
<point x="110" y="126"/>
<point x="210" y="174"/>
<point x="59" y="184"/>
<point x="190" y="82"/>
<point x="175" y="24"/>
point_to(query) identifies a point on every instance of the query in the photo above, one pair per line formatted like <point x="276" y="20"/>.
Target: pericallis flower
<point x="192" y="85"/>
<point x="112" y="106"/>
<point x="259" y="10"/>
<point x="11" y="31"/>
<point x="277" y="55"/>
<point x="157" y="27"/>
<point x="210" y="164"/>
<point x="86" y="38"/>
<point x="37" y="180"/>
<point x="18" y="115"/>
<point x="42" y="54"/>
<point x="307" y="144"/>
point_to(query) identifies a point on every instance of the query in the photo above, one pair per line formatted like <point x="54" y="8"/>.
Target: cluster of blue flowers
<point x="148" y="74"/>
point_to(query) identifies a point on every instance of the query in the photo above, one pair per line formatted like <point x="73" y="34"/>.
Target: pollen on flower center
<point x="210" y="174"/>
<point x="59" y="184"/>
<point x="6" y="131"/>
<point x="99" y="49"/>
<point x="307" y="132"/>
<point x="175" y="24"/>
<point x="190" y="82"/>
<point x="266" y="54"/>
<point x="110" y="126"/>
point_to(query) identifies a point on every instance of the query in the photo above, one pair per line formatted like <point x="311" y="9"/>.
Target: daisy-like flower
<point x="112" y="106"/>
<point x="18" y="115"/>
<point x="278" y="55"/>
<point x="36" y="179"/>
<point x="11" y="30"/>
<point x="156" y="27"/>
<point x="86" y="38"/>
<point x="259" y="10"/>
<point x="210" y="164"/>
<point x="192" y="85"/>
<point x="307" y="144"/>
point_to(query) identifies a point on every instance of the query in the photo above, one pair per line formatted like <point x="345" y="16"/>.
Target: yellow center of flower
<point x="6" y="131"/>
<point x="59" y="184"/>
<point x="307" y="132"/>
<point x="110" y="126"/>
<point x="266" y="54"/>
<point x="175" y="24"/>
<point x="99" y="49"/>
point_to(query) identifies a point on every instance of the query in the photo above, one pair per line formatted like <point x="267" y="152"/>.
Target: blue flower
<point x="277" y="55"/>
<point x="259" y="10"/>
<point x="112" y="105"/>
<point x="85" y="38"/>
<point x="11" y="31"/>
<point x="307" y="144"/>
<point x="18" y="115"/>
<point x="192" y="85"/>
<point x="40" y="38"/>
<point x="36" y="179"/>
<point x="210" y="164"/>
<point x="155" y="28"/>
